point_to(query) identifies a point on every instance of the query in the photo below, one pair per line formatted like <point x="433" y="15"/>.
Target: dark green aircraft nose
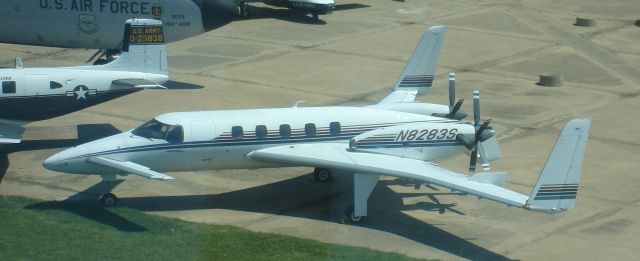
<point x="216" y="13"/>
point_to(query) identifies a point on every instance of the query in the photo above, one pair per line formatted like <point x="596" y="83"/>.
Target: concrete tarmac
<point x="353" y="57"/>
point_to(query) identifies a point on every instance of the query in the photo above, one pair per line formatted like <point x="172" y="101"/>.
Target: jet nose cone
<point x="216" y="13"/>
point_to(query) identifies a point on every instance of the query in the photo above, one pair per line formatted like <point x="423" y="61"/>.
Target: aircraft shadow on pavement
<point x="302" y="197"/>
<point x="86" y="133"/>
<point x="175" y="85"/>
<point x="344" y="7"/>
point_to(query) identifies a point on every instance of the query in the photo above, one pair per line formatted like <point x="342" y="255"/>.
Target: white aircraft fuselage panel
<point x="97" y="24"/>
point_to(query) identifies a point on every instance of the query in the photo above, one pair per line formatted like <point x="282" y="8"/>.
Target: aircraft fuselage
<point x="222" y="139"/>
<point x="97" y="24"/>
<point x="33" y="94"/>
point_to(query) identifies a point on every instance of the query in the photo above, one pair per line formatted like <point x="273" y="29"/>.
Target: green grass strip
<point x="37" y="230"/>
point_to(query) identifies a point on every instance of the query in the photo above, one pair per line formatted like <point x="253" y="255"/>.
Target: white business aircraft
<point x="368" y="141"/>
<point x="32" y="94"/>
<point x="313" y="7"/>
<point x="97" y="24"/>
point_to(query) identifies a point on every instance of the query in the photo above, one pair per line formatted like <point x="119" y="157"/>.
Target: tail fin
<point x="557" y="186"/>
<point x="417" y="76"/>
<point x="143" y="48"/>
<point x="419" y="72"/>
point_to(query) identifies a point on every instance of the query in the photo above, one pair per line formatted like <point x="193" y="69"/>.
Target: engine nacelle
<point x="421" y="141"/>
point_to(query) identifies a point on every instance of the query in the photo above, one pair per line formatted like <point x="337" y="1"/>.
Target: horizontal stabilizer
<point x="129" y="168"/>
<point x="5" y="140"/>
<point x="10" y="133"/>
<point x="138" y="83"/>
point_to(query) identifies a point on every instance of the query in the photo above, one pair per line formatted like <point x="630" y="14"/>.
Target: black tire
<point x="246" y="13"/>
<point x="351" y="217"/>
<point x="322" y="175"/>
<point x="109" y="200"/>
<point x="315" y="17"/>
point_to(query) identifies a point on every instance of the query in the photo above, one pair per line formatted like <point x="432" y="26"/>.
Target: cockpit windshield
<point x="154" y="129"/>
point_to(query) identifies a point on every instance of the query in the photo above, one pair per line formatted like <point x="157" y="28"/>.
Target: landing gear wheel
<point x="244" y="11"/>
<point x="351" y="216"/>
<point x="322" y="175"/>
<point x="315" y="17"/>
<point x="246" y="14"/>
<point x="109" y="200"/>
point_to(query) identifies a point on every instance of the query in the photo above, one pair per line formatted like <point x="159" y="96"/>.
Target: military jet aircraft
<point x="97" y="24"/>
<point x="32" y="94"/>
<point x="313" y="7"/>
<point x="367" y="141"/>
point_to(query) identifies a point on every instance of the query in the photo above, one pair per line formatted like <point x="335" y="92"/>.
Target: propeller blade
<point x="452" y="91"/>
<point x="482" y="128"/>
<point x="483" y="158"/>
<point x="476" y="107"/>
<point x="455" y="109"/>
<point x="474" y="159"/>
<point x="464" y="141"/>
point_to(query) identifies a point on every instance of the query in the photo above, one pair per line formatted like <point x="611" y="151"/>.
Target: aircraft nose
<point x="53" y="163"/>
<point x="61" y="161"/>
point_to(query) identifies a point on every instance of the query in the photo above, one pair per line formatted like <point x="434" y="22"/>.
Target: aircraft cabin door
<point x="203" y="132"/>
<point x="35" y="84"/>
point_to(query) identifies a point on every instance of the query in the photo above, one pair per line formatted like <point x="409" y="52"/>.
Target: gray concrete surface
<point x="353" y="57"/>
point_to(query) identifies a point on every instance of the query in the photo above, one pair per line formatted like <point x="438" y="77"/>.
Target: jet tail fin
<point x="557" y="186"/>
<point x="143" y="48"/>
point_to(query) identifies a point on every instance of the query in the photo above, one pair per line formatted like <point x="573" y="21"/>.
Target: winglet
<point x="557" y="186"/>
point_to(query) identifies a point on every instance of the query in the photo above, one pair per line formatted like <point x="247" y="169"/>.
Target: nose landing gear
<point x="108" y="183"/>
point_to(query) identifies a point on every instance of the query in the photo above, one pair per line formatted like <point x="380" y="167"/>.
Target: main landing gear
<point x="363" y="185"/>
<point x="322" y="174"/>
<point x="351" y="217"/>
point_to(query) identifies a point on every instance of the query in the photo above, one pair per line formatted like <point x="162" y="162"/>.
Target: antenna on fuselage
<point x="295" y="105"/>
<point x="19" y="64"/>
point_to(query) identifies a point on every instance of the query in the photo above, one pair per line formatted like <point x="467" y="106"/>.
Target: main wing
<point x="338" y="156"/>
